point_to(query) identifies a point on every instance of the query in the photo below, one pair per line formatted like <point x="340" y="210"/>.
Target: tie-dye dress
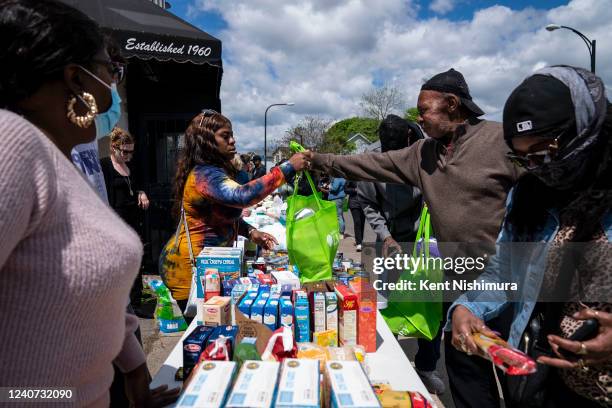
<point x="213" y="206"/>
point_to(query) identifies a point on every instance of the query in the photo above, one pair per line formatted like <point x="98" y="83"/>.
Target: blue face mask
<point x="106" y="121"/>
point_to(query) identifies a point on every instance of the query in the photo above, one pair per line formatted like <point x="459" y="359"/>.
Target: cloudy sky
<point x="324" y="54"/>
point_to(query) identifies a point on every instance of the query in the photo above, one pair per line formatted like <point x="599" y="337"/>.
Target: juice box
<point x="193" y="345"/>
<point x="302" y="318"/>
<point x="286" y="311"/>
<point x="347" y="315"/>
<point x="209" y="386"/>
<point x="270" y="317"/>
<point x="318" y="312"/>
<point x="367" y="305"/>
<point x="331" y="318"/>
<point x="255" y="386"/>
<point x="257" y="309"/>
<point x="215" y="312"/>
<point x="298" y="385"/>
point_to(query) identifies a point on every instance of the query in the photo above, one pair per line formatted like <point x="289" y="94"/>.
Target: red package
<point x="219" y="350"/>
<point x="505" y="357"/>
<point x="418" y="401"/>
<point x="265" y="279"/>
<point x="281" y="345"/>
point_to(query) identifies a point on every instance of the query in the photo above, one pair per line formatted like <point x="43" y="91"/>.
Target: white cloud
<point x="323" y="54"/>
<point x="442" y="6"/>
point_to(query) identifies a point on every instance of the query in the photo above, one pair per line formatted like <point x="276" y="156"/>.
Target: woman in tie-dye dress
<point x="213" y="200"/>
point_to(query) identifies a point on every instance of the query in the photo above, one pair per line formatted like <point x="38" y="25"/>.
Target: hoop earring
<point x="86" y="120"/>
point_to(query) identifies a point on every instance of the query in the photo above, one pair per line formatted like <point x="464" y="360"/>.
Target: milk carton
<point x="209" y="386"/>
<point x="255" y="386"/>
<point x="286" y="312"/>
<point x="270" y="317"/>
<point x="318" y="312"/>
<point x="331" y="318"/>
<point x="257" y="309"/>
<point x="247" y="302"/>
<point x="299" y="384"/>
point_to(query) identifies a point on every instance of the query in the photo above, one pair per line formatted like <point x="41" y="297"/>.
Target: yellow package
<point x="395" y="399"/>
<point x="312" y="351"/>
<point x="327" y="338"/>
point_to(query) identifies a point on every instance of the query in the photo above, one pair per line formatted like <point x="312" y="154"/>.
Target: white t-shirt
<point x="85" y="157"/>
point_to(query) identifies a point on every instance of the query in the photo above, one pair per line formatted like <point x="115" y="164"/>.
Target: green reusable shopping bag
<point x="312" y="242"/>
<point x="418" y="318"/>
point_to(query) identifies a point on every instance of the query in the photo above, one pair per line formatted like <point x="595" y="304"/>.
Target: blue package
<point x="257" y="309"/>
<point x="286" y="312"/>
<point x="270" y="317"/>
<point x="247" y="302"/>
<point x="302" y="318"/>
<point x="227" y="331"/>
<point x="193" y="345"/>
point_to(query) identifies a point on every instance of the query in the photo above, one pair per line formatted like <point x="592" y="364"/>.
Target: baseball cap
<point x="540" y="105"/>
<point x="453" y="82"/>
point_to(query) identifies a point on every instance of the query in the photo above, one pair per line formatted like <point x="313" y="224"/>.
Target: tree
<point x="310" y="133"/>
<point x="411" y="114"/>
<point x="380" y="102"/>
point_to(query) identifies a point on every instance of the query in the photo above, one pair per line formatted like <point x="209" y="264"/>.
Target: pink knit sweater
<point x="67" y="263"/>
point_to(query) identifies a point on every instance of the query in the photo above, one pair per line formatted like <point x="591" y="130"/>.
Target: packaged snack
<point x="229" y="332"/>
<point x="215" y="311"/>
<point x="349" y="386"/>
<point x="299" y="384"/>
<point x="312" y="351"/>
<point x="212" y="284"/>
<point x="326" y="338"/>
<point x="331" y="318"/>
<point x="209" y="385"/>
<point x="505" y="357"/>
<point x="168" y="313"/>
<point x="347" y="315"/>
<point x="345" y="353"/>
<point x="255" y="386"/>
<point x="246" y="350"/>
<point x="193" y="346"/>
<point x="217" y="350"/>
<point x="402" y="399"/>
<point x="281" y="345"/>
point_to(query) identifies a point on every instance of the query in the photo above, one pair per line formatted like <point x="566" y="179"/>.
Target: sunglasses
<point x="206" y="113"/>
<point x="117" y="69"/>
<point x="533" y="160"/>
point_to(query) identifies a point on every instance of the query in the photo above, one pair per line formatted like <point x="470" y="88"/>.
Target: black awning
<point x="145" y="30"/>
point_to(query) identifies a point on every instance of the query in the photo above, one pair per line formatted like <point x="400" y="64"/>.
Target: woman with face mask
<point x="558" y="123"/>
<point x="210" y="199"/>
<point x="57" y="280"/>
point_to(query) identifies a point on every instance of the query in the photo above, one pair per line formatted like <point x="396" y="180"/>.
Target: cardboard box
<point x="270" y="317"/>
<point x="298" y="385"/>
<point x="318" y="312"/>
<point x="367" y="305"/>
<point x="286" y="312"/>
<point x="286" y="279"/>
<point x="331" y="317"/>
<point x="347" y="316"/>
<point x="193" y="345"/>
<point x="209" y="386"/>
<point x="255" y="386"/>
<point x="227" y="261"/>
<point x="349" y="386"/>
<point x="302" y="318"/>
<point x="215" y="311"/>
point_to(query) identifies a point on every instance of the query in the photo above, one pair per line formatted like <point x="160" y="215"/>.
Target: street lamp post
<point x="266" y="131"/>
<point x="589" y="43"/>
